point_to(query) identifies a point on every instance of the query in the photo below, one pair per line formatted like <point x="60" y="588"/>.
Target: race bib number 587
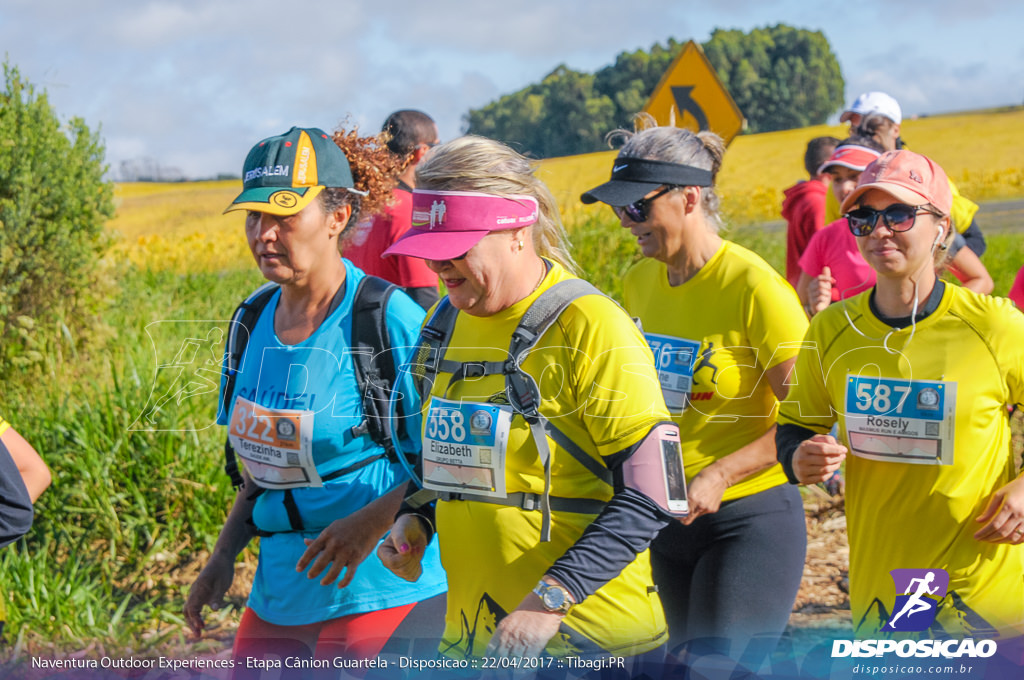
<point x="906" y="421"/>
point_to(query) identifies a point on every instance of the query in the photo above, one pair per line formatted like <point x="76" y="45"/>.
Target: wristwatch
<point x="555" y="598"/>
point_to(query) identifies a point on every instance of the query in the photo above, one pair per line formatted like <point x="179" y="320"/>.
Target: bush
<point x="53" y="205"/>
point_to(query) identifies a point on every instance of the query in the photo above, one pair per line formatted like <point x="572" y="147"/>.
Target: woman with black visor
<point x="725" y="330"/>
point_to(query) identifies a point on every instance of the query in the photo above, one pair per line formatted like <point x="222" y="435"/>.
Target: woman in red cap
<point x="917" y="374"/>
<point x="831" y="266"/>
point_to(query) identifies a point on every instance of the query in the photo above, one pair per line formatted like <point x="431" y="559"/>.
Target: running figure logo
<point x="704" y="361"/>
<point x="921" y="589"/>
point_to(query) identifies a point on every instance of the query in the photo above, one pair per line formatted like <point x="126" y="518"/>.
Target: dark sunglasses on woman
<point x="896" y="217"/>
<point x="637" y="210"/>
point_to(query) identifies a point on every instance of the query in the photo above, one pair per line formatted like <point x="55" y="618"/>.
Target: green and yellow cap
<point x="283" y="174"/>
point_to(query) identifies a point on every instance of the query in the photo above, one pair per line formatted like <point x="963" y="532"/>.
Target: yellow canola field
<point x="180" y="227"/>
<point x="982" y="152"/>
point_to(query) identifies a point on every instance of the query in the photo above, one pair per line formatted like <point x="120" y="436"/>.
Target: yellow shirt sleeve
<point x="775" y="322"/>
<point x="809" y="404"/>
<point x="620" y="396"/>
<point x="963" y="210"/>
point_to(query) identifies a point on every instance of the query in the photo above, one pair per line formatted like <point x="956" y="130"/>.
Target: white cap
<point x="874" y="102"/>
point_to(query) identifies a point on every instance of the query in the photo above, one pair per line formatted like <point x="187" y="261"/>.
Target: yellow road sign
<point x="691" y="93"/>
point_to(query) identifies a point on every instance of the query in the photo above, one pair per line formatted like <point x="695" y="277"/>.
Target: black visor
<point x="634" y="178"/>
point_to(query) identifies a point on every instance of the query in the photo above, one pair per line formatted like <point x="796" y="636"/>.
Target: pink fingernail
<point x="403" y="548"/>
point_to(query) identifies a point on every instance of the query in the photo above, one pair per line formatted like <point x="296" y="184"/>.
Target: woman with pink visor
<point x="530" y="452"/>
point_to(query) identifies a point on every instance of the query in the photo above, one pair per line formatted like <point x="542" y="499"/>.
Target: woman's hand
<point x="1004" y="516"/>
<point x="704" y="494"/>
<point x="402" y="551"/>
<point x="525" y="631"/>
<point x="815" y="459"/>
<point x="346" y="542"/>
<point x="209" y="588"/>
<point x="819" y="292"/>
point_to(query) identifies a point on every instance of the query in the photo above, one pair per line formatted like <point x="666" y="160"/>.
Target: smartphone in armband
<point x="656" y="469"/>
<point x="675" y="479"/>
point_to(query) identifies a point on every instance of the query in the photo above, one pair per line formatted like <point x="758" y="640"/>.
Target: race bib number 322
<point x="905" y="421"/>
<point x="275" y="445"/>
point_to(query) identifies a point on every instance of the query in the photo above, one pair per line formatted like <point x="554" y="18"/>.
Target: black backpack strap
<point x="432" y="345"/>
<point x="374" y="362"/>
<point x="243" y="321"/>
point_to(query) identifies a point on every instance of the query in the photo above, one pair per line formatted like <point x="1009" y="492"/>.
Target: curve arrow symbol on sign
<point x="685" y="103"/>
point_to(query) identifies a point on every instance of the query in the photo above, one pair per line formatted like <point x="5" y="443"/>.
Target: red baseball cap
<point x="907" y="176"/>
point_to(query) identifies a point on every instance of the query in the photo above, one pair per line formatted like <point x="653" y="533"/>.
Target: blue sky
<point x="193" y="84"/>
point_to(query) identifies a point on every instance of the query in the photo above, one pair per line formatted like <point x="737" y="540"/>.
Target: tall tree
<point x="781" y="77"/>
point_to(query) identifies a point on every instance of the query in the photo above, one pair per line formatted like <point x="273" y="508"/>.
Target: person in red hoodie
<point x="804" y="205"/>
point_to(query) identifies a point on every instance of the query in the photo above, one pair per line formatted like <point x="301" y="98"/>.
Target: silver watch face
<point x="554" y="598"/>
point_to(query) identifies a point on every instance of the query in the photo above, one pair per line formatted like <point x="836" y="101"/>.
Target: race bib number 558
<point x="464" y="447"/>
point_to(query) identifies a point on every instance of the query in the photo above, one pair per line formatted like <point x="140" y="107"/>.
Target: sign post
<point x="690" y="95"/>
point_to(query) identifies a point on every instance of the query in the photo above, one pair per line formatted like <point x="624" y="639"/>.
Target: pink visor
<point x="446" y="224"/>
<point x="852" y="156"/>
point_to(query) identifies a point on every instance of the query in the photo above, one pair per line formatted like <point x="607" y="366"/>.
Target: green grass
<point x="130" y="507"/>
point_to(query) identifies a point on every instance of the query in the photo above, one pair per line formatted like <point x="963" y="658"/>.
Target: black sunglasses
<point x="898" y="217"/>
<point x="637" y="211"/>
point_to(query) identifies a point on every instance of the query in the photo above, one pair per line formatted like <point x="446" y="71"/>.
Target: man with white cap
<point x="872" y="102"/>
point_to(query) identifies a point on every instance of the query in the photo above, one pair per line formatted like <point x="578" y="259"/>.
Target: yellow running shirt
<point x="599" y="389"/>
<point x="929" y="444"/>
<point x="724" y="327"/>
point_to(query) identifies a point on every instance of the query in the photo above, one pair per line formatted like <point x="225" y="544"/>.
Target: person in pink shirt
<point x="1016" y="293"/>
<point x="831" y="261"/>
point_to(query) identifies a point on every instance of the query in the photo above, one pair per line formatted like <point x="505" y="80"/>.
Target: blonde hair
<point x="483" y="165"/>
<point x="703" y="150"/>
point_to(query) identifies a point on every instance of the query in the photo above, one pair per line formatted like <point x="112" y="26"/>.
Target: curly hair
<point x="374" y="171"/>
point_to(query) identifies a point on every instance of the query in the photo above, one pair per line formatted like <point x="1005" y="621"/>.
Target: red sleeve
<point x="410" y="272"/>
<point x="806" y="217"/>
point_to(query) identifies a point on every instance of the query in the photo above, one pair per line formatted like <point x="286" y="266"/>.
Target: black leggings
<point x="735" y="573"/>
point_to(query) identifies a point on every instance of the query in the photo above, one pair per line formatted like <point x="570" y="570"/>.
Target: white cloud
<point x="194" y="83"/>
